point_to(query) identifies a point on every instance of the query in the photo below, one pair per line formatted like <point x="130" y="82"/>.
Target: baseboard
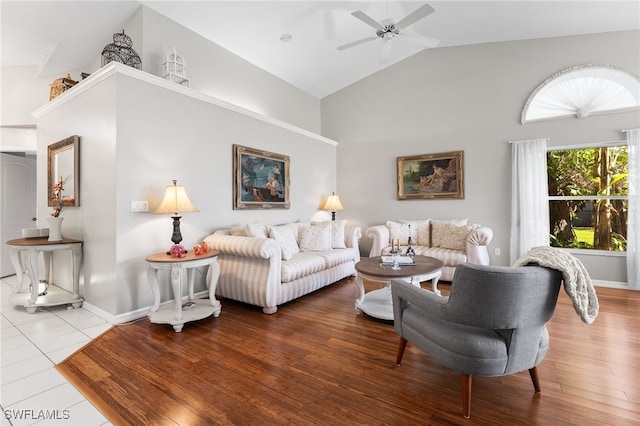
<point x="131" y="316"/>
<point x="611" y="284"/>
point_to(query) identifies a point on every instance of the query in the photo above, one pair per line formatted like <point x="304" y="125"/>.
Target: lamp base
<point x="176" y="237"/>
<point x="333" y="215"/>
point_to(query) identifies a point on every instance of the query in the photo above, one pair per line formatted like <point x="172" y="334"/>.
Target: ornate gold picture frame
<point x="63" y="164"/>
<point x="261" y="179"/>
<point x="431" y="176"/>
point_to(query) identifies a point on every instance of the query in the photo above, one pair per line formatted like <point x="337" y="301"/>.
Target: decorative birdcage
<point x="174" y="69"/>
<point x="120" y="51"/>
<point x="61" y="85"/>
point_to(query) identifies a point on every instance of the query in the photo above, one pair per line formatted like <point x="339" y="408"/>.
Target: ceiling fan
<point x="388" y="30"/>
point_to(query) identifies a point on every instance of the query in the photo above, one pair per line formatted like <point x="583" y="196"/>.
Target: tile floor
<point x="32" y="392"/>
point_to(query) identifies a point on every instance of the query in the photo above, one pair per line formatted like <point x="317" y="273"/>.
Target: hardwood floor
<point x="318" y="362"/>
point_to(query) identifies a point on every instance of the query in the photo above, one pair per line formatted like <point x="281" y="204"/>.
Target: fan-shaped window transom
<point x="583" y="90"/>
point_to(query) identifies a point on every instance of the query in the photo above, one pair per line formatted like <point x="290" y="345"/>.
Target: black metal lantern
<point x="120" y="51"/>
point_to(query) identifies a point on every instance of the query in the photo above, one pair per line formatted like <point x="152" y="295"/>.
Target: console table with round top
<point x="193" y="309"/>
<point x="377" y="303"/>
<point x="25" y="254"/>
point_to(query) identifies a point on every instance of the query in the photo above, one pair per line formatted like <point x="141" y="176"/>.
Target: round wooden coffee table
<point x="377" y="303"/>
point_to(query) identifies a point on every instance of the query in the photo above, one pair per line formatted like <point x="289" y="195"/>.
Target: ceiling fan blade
<point x="357" y="42"/>
<point x="385" y="52"/>
<point x="415" y="16"/>
<point x="420" y="40"/>
<point x="367" y="19"/>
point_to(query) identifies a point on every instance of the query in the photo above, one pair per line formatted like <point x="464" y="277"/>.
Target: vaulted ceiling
<point x="297" y="40"/>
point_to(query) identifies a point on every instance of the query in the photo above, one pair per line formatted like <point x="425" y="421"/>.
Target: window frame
<point x="594" y="145"/>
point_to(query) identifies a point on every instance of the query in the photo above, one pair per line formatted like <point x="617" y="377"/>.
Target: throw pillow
<point x="439" y="229"/>
<point x="398" y="232"/>
<point x="455" y="237"/>
<point x="315" y="237"/>
<point x="338" y="229"/>
<point x="257" y="229"/>
<point x="285" y="235"/>
<point x="238" y="231"/>
<point x="423" y="233"/>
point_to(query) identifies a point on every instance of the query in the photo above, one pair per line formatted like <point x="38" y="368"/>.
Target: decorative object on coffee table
<point x="410" y="251"/>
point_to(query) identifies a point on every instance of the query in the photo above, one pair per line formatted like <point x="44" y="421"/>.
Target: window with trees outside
<point x="588" y="197"/>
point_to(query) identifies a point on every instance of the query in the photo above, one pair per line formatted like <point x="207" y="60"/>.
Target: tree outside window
<point x="588" y="197"/>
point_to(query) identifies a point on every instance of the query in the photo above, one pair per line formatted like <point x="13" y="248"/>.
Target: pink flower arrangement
<point x="58" y="188"/>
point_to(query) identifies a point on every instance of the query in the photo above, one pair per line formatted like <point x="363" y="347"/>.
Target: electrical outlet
<point x="139" y="206"/>
<point x="496" y="251"/>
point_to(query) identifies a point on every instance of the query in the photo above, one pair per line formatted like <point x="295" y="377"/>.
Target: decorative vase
<point x="55" y="228"/>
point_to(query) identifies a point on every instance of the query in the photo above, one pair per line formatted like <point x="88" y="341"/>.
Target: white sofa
<point x="451" y="241"/>
<point x="269" y="265"/>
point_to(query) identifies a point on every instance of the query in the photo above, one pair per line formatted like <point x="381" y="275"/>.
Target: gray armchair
<point x="491" y="324"/>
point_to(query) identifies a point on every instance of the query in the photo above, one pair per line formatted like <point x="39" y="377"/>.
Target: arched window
<point x="583" y="90"/>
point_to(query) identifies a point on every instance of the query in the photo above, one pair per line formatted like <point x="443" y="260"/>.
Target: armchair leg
<point x="401" y="347"/>
<point x="533" y="372"/>
<point x="466" y="395"/>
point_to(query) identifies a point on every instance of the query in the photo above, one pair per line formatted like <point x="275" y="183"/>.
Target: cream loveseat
<point x="269" y="265"/>
<point x="451" y="241"/>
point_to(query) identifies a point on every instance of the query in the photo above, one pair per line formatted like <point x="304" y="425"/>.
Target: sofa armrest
<point x="352" y="235"/>
<point x="261" y="248"/>
<point x="380" y="236"/>
<point x="476" y="245"/>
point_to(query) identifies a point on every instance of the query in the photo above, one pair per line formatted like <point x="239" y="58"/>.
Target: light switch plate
<point x="139" y="206"/>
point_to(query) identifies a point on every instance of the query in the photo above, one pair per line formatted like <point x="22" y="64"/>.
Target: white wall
<point x="212" y="70"/>
<point x="217" y="72"/>
<point x="465" y="98"/>
<point x="138" y="132"/>
<point x="91" y="116"/>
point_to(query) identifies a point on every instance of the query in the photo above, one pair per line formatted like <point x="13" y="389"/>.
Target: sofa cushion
<point x="302" y="264"/>
<point x="447" y="256"/>
<point x="423" y="232"/>
<point x="285" y="235"/>
<point x="440" y="229"/>
<point x="338" y="256"/>
<point x="338" y="234"/>
<point x="400" y="231"/>
<point x="455" y="237"/>
<point x="257" y="229"/>
<point x="315" y="237"/>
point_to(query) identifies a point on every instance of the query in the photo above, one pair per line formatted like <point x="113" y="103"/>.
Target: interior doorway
<point x="17" y="201"/>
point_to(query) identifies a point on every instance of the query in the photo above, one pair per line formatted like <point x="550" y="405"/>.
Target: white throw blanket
<point x="577" y="283"/>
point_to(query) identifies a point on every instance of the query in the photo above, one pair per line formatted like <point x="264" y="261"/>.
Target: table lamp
<point x="333" y="204"/>
<point x="176" y="201"/>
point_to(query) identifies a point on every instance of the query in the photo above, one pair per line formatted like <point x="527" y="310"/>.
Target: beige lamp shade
<point x="333" y="204"/>
<point x="176" y="201"/>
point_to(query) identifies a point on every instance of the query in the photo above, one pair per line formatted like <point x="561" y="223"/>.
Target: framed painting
<point x="261" y="179"/>
<point x="431" y="176"/>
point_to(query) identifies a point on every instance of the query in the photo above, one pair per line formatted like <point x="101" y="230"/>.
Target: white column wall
<point x="135" y="137"/>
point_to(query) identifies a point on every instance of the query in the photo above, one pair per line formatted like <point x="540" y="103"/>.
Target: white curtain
<point x="529" y="196"/>
<point x="633" y="219"/>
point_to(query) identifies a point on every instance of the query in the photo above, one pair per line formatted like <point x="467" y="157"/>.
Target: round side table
<point x="193" y="309"/>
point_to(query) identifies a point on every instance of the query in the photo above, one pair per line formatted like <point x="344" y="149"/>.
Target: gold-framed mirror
<point x="62" y="164"/>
